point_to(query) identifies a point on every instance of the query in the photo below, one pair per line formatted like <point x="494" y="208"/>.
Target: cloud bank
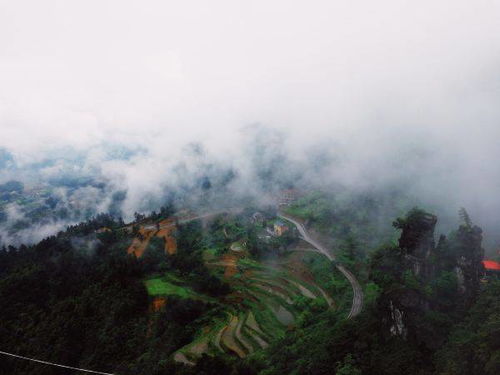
<point x="150" y="95"/>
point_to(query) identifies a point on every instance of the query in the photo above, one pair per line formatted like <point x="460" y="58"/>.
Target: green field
<point x="161" y="287"/>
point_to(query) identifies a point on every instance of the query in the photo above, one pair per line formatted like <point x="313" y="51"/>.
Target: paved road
<point x="357" y="298"/>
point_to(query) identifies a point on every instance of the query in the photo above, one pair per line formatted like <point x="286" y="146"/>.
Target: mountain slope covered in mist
<point x="241" y="293"/>
<point x="250" y="187"/>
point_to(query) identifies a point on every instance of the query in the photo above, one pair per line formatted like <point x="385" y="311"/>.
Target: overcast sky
<point x="367" y="76"/>
<point x="77" y="71"/>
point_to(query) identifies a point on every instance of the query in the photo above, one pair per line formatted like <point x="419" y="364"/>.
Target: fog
<point x="151" y="96"/>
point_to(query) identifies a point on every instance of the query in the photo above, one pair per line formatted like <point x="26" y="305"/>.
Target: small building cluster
<point x="270" y="225"/>
<point x="288" y="196"/>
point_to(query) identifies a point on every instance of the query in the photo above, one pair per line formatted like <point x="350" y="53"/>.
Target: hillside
<point x="243" y="293"/>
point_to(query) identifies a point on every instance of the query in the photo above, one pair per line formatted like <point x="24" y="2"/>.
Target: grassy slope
<point x="161" y="287"/>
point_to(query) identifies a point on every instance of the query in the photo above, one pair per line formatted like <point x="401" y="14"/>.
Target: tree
<point x="465" y="217"/>
<point x="347" y="367"/>
<point x="139" y="217"/>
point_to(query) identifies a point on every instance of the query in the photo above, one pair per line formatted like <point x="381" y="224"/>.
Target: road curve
<point x="357" y="298"/>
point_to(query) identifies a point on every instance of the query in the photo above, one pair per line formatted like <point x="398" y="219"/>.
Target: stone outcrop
<point x="462" y="253"/>
<point x="469" y="261"/>
<point x="417" y="238"/>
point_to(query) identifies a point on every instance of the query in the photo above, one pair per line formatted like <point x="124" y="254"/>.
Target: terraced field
<point x="262" y="307"/>
<point x="267" y="298"/>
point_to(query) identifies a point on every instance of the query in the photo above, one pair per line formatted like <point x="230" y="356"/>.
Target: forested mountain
<point x="243" y="293"/>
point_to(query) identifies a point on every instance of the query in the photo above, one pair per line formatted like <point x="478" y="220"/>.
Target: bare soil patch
<point x="229" y="261"/>
<point x="167" y="229"/>
<point x="158" y="303"/>
<point x="140" y="243"/>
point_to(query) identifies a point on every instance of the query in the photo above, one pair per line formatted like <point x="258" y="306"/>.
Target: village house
<point x="491" y="269"/>
<point x="280" y="228"/>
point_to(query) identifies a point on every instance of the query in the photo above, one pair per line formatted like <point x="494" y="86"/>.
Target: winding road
<point x="357" y="298"/>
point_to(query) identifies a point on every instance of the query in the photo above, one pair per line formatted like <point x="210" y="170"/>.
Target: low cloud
<point x="146" y="99"/>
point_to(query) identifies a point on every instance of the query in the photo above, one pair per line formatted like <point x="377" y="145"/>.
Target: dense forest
<point x="82" y="298"/>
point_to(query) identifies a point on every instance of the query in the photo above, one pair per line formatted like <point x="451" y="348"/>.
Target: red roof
<point x="491" y="265"/>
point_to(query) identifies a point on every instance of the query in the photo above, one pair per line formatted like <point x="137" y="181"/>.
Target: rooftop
<point x="491" y="265"/>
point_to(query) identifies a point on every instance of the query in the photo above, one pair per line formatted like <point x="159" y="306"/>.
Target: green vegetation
<point x="161" y="287"/>
<point x="472" y="348"/>
<point x="345" y="216"/>
<point x="333" y="282"/>
<point x="264" y="307"/>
